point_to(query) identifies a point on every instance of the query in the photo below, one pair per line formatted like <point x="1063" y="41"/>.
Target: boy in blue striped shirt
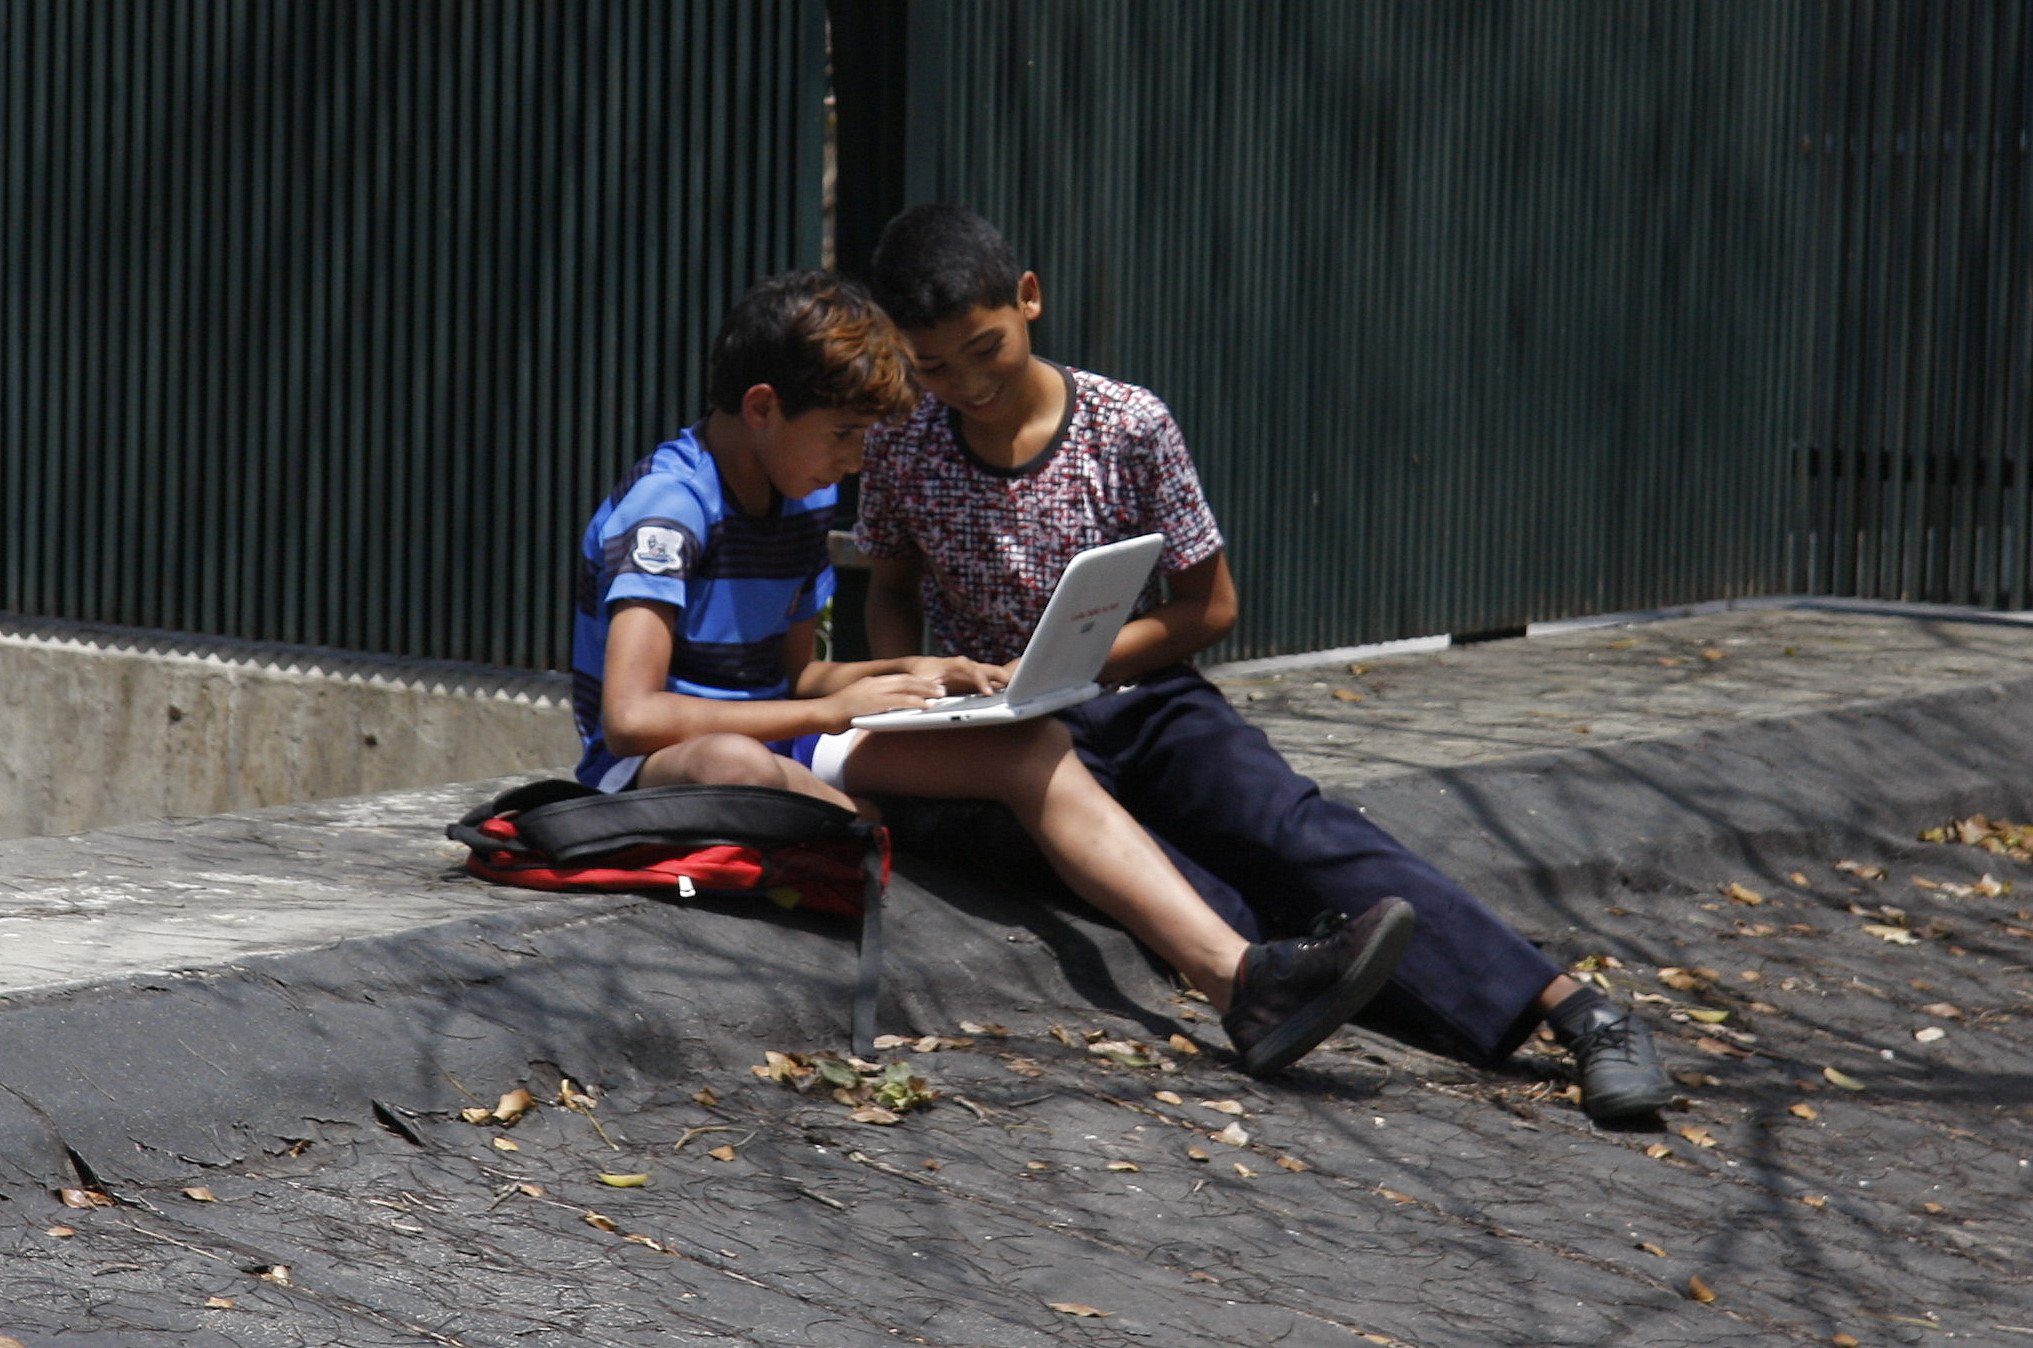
<point x="694" y="661"/>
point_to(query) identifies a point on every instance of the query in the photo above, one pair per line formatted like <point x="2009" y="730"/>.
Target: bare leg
<point x="734" y="760"/>
<point x="1554" y="993"/>
<point x="1091" y="841"/>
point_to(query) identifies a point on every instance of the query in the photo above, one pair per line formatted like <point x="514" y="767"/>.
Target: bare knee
<point x="714" y="760"/>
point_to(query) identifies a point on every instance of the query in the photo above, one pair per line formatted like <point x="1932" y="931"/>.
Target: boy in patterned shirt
<point x="701" y="579"/>
<point x="972" y="507"/>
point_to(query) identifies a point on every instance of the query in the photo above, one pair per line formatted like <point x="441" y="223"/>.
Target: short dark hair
<point x="819" y="340"/>
<point x="936" y="262"/>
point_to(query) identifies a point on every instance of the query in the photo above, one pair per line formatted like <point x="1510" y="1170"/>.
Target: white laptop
<point x="1071" y="644"/>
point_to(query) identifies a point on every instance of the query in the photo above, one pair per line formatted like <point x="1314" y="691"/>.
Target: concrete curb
<point x="153" y="1077"/>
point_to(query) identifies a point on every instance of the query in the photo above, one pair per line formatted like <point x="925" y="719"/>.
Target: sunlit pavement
<point x="1718" y="817"/>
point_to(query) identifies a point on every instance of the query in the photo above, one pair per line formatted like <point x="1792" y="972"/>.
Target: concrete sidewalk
<point x="238" y="997"/>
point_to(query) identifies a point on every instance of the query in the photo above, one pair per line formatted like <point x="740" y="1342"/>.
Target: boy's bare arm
<point x="895" y="619"/>
<point x="812" y="677"/>
<point x="1199" y="611"/>
<point x="639" y="716"/>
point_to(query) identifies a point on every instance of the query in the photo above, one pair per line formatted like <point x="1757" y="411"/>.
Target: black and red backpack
<point x="710" y="841"/>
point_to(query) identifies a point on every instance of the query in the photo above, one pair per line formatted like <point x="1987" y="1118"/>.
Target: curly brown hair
<point x="819" y="340"/>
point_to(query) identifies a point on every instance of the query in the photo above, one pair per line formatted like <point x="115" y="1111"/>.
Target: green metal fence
<point x="1914" y="471"/>
<point x="1474" y="314"/>
<point x="330" y="323"/>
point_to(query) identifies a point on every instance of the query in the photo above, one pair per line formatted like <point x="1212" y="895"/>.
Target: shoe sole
<point x="1629" y="1105"/>
<point x="1361" y="981"/>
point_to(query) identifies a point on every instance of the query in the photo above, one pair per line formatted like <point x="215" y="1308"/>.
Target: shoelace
<point x="1610" y="1039"/>
<point x="1327" y="924"/>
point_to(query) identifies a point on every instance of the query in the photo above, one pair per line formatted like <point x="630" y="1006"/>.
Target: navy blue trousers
<point x="1269" y="853"/>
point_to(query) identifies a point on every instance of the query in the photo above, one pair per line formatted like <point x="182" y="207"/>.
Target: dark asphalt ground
<point x="1833" y="1168"/>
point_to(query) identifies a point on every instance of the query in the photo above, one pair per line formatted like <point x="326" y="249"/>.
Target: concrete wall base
<point x="104" y="725"/>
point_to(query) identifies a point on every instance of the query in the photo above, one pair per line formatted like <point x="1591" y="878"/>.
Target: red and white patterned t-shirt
<point x="992" y="542"/>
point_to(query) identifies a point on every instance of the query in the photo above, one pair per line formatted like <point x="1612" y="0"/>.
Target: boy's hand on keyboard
<point x="878" y="693"/>
<point x="959" y="675"/>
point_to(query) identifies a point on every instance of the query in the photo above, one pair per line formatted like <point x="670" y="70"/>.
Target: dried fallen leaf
<point x="722" y="1153"/>
<point x="1234" y="1135"/>
<point x="630" y="1181"/>
<point x="1698" y="1290"/>
<point x="1181" y="1044"/>
<point x="1222" y="1106"/>
<point x="530" y="1190"/>
<point x="1707" y="1015"/>
<point x="1991" y="888"/>
<point x="987" y="1028"/>
<point x="1131" y="1167"/>
<point x="477" y="1114"/>
<point x="1943" y="1010"/>
<point x="275" y="1273"/>
<point x="1293" y="1164"/>
<point x="1075" y="1308"/>
<point x="220" y="1303"/>
<point x="1927" y="1034"/>
<point x="1244" y="1171"/>
<point x="506" y="1144"/>
<point x="513" y="1105"/>
<point x="1195" y="1154"/>
<point x="887" y="1041"/>
<point x="1737" y="892"/>
<point x="1658" y="1151"/>
<point x="1649" y="1248"/>
<point x="705" y="1096"/>
<point x="1896" y="935"/>
<point x="1037" y="1165"/>
<point x="1682" y="980"/>
<point x="1060" y="1033"/>
<point x="571" y="1097"/>
<point x="1711" y="653"/>
<point x="876" y="1115"/>
<point x="1696" y="1134"/>
<point x="1804" y="1111"/>
<point x="1719" y="1048"/>
<point x="199" y="1194"/>
<point x="1122" y="1052"/>
<point x="600" y="1222"/>
<point x="1842" y="1079"/>
<point x="61" y="1232"/>
<point x="648" y="1242"/>
<point x="84" y="1198"/>
<point x="1024" y="1067"/>
<point x="1933" y="1209"/>
<point x="1846" y="1341"/>
<point x="1167" y="1097"/>
<point x="1395" y="1196"/>
<point x="1799" y="879"/>
<point x="1815" y="1200"/>
<point x="1347" y="695"/>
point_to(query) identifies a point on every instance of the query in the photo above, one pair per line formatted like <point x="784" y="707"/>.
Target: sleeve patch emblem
<point x="658" y="550"/>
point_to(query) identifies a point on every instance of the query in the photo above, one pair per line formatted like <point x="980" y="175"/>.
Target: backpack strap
<point x="868" y="979"/>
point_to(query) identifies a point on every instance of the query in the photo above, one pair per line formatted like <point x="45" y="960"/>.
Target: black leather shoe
<point x="1291" y="994"/>
<point x="1619" y="1068"/>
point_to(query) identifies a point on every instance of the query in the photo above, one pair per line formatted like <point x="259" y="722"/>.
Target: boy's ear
<point x="1030" y="296"/>
<point x="758" y="405"/>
